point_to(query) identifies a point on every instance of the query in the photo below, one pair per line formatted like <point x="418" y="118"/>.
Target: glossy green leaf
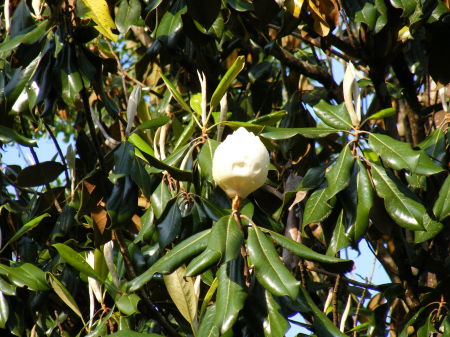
<point x="131" y="333"/>
<point x="28" y="275"/>
<point x="128" y="303"/>
<point x="270" y="119"/>
<point x="64" y="294"/>
<point x="182" y="293"/>
<point x="127" y="15"/>
<point x="434" y="146"/>
<point x="364" y="192"/>
<point x="205" y="157"/>
<point x="170" y="226"/>
<point x="7" y="288"/>
<point x="153" y="123"/>
<point x="173" y="259"/>
<point x="196" y="103"/>
<point x="317" y="207"/>
<point x="399" y="155"/>
<point x="322" y="324"/>
<point x="188" y="131"/>
<point x="367" y="15"/>
<point x="160" y="198"/>
<point x="171" y="22"/>
<point x="9" y="135"/>
<point x="226" y="238"/>
<point x="335" y="116"/>
<point x="76" y="260"/>
<point x="432" y="228"/>
<point x="286" y="133"/>
<point x="231" y="294"/>
<point x="385" y="113"/>
<point x="275" y="324"/>
<point x="176" y="94"/>
<point x="202" y="262"/>
<point x="24" y="229"/>
<point x="207" y="327"/>
<point x="141" y="144"/>
<point x="307" y="253"/>
<point x="441" y="208"/>
<point x="4" y="310"/>
<point x="269" y="269"/>
<point x="339" y="174"/>
<point x="226" y="81"/>
<point x="29" y="37"/>
<point x="338" y="239"/>
<point x="406" y="212"/>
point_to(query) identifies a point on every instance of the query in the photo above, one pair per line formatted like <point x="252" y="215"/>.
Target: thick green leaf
<point x="309" y="254"/>
<point x="64" y="294"/>
<point x="27" y="275"/>
<point x="317" y="207"/>
<point x="226" y="238"/>
<point x="196" y="103"/>
<point x="339" y="174"/>
<point x="176" y="94"/>
<point x="405" y="211"/>
<point x="270" y="119"/>
<point x="4" y="310"/>
<point x="9" y="135"/>
<point x="170" y="226"/>
<point x="432" y="228"/>
<point x="160" y="198"/>
<point x="203" y="262"/>
<point x="206" y="156"/>
<point x="275" y="324"/>
<point x="127" y="15"/>
<point x="338" y="240"/>
<point x="286" y="133"/>
<point x="434" y="145"/>
<point x="131" y="333"/>
<point x="29" y="37"/>
<point x="171" y="22"/>
<point x="182" y="293"/>
<point x="441" y="208"/>
<point x="40" y="174"/>
<point x="226" y="81"/>
<point x="323" y="326"/>
<point x="128" y="303"/>
<point x="231" y="294"/>
<point x="385" y="113"/>
<point x="76" y="260"/>
<point x="7" y="288"/>
<point x="269" y="269"/>
<point x="207" y="327"/>
<point x="141" y="144"/>
<point x="154" y="123"/>
<point x="364" y="203"/>
<point x="173" y="259"/>
<point x="399" y="155"/>
<point x="335" y="116"/>
<point x="25" y="228"/>
<point x="367" y="15"/>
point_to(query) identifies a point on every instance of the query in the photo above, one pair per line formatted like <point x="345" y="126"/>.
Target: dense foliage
<point x="127" y="233"/>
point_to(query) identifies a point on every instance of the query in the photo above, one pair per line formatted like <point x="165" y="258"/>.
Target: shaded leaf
<point x="269" y="269"/>
<point x="170" y="225"/>
<point x="9" y="135"/>
<point x="275" y="324"/>
<point x="317" y="207"/>
<point x="207" y="327"/>
<point x="27" y="275"/>
<point x="40" y="174"/>
<point x="441" y="208"/>
<point x="128" y="303"/>
<point x="131" y="333"/>
<point x="160" y="198"/>
<point x="64" y="294"/>
<point x="286" y="133"/>
<point x="205" y="157"/>
<point x="338" y="240"/>
<point x="128" y="14"/>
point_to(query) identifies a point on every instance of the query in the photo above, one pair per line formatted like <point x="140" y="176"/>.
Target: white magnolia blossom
<point x="240" y="164"/>
<point x="352" y="97"/>
<point x="94" y="285"/>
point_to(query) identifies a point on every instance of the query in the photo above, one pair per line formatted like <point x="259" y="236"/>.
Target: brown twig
<point x="335" y="301"/>
<point x="59" y="324"/>
<point x="58" y="149"/>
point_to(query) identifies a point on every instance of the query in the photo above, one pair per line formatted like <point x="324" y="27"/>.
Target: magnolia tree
<point x="221" y="156"/>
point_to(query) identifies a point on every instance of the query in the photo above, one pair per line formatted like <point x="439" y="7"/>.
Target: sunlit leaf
<point x="99" y="12"/>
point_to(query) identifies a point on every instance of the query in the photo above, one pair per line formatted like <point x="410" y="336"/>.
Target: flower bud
<point x="240" y="164"/>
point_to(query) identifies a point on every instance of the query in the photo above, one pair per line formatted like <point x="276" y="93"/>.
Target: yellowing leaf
<point x="294" y="7"/>
<point x="99" y="12"/>
<point x="321" y="25"/>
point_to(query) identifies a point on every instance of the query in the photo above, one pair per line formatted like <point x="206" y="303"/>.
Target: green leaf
<point x="339" y="174"/>
<point x="205" y="157"/>
<point x="76" y="260"/>
<point x="367" y="15"/>
<point x="131" y="333"/>
<point x="99" y="12"/>
<point x="286" y="133"/>
<point x="29" y="37"/>
<point x="335" y="116"/>
<point x="27" y="275"/>
<point x="269" y="269"/>
<point x="171" y="22"/>
<point x="434" y="146"/>
<point x="175" y="93"/>
<point x="182" y="293"/>
<point x="274" y="324"/>
<point x="154" y="124"/>
<point x="128" y="303"/>
<point x="364" y="203"/>
<point x="441" y="208"/>
<point x="140" y="144"/>
<point x="405" y="211"/>
<point x="322" y="325"/>
<point x="170" y="226"/>
<point x="432" y="228"/>
<point x="196" y="103"/>
<point x="399" y="155"/>
<point x="7" y="288"/>
<point x="159" y="199"/>
<point x="128" y="14"/>
<point x="317" y="207"/>
<point x="173" y="259"/>
<point x="207" y="327"/>
<point x="202" y="262"/>
<point x="338" y="240"/>
<point x="226" y="81"/>
<point x="4" y="310"/>
<point x="226" y="238"/>
<point x="9" y="135"/>
<point x="385" y="113"/>
<point x="270" y="119"/>
<point x="24" y="229"/>
<point x="64" y="295"/>
<point x="231" y="294"/>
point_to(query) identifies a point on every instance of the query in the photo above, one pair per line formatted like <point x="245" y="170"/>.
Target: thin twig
<point x="335" y="301"/>
<point x="58" y="149"/>
<point x="59" y="324"/>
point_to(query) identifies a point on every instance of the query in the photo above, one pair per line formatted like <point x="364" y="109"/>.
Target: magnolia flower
<point x="352" y="96"/>
<point x="240" y="164"/>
